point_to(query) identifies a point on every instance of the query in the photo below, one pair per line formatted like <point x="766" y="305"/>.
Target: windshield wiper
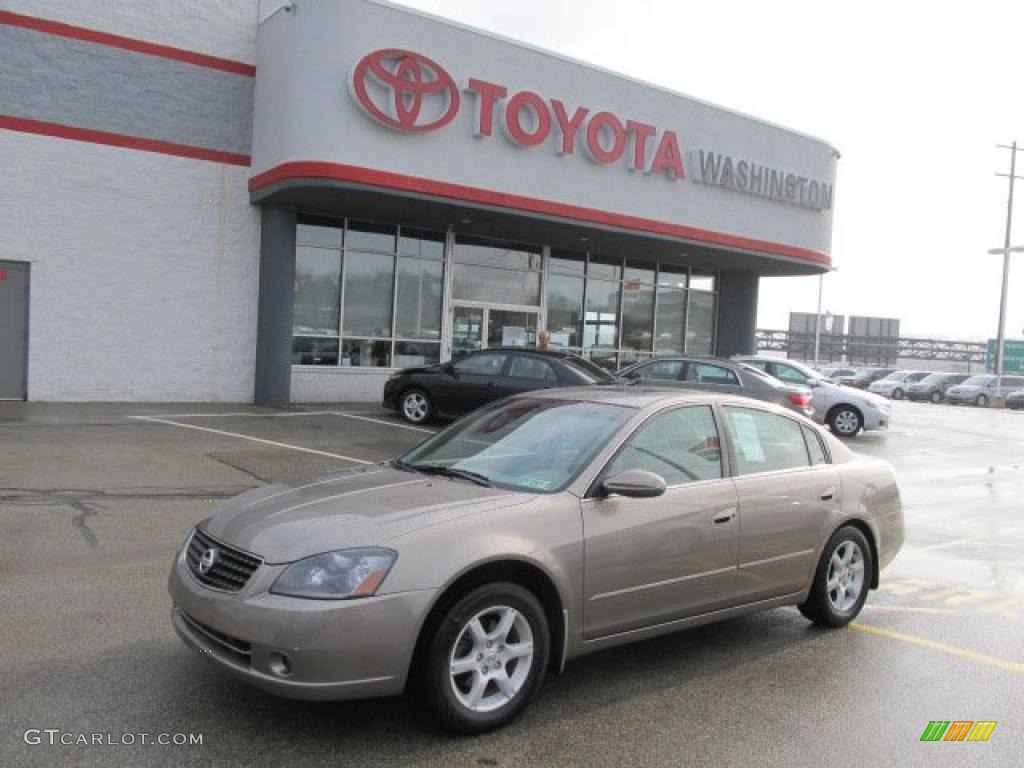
<point x="465" y="474"/>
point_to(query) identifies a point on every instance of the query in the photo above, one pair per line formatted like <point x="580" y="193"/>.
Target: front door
<point x="13" y="330"/>
<point x="650" y="561"/>
<point x="483" y="327"/>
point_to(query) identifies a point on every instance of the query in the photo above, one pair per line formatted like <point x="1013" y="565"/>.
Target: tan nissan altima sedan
<point x="532" y="531"/>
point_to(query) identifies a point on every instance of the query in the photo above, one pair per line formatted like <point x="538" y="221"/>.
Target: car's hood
<point x="363" y="507"/>
<point x="420" y="369"/>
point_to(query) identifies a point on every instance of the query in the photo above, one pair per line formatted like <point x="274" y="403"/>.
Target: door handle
<point x="724" y="517"/>
<point x="828" y="494"/>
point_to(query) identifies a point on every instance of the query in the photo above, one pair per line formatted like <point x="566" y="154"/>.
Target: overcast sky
<point x="915" y="95"/>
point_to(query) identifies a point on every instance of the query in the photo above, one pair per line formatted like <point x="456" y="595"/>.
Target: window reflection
<point x="317" y="281"/>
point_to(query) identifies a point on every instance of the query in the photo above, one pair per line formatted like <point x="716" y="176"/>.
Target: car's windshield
<point x="935" y="378"/>
<point x="979" y="381"/>
<point x="590" y="371"/>
<point x="528" y="444"/>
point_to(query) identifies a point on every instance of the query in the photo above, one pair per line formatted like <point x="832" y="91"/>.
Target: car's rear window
<point x="593" y="373"/>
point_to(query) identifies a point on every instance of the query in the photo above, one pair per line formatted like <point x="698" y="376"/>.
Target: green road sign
<point x="1013" y="356"/>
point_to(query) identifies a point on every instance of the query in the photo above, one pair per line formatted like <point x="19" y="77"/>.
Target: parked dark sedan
<point x="716" y="375"/>
<point x="934" y="386"/>
<point x="463" y="385"/>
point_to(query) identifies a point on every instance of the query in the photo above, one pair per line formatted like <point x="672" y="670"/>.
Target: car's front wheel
<point x="981" y="401"/>
<point x="897" y="394"/>
<point x="845" y="421"/>
<point x="841" y="581"/>
<point x="415" y="406"/>
<point x="936" y="397"/>
<point x="487" y="658"/>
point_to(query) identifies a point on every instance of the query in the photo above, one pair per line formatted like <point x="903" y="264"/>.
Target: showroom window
<point x="366" y="295"/>
<point x="617" y="312"/>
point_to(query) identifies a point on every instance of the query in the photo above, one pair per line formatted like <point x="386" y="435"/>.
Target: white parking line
<point x="235" y="413"/>
<point x="154" y="420"/>
<point x="384" y="422"/>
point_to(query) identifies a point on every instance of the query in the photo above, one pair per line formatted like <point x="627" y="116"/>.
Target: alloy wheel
<point x="845" y="579"/>
<point x="936" y="397"/>
<point x="491" y="658"/>
<point x="415" y="407"/>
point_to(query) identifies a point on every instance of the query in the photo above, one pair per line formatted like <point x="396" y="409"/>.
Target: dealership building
<point x="287" y="201"/>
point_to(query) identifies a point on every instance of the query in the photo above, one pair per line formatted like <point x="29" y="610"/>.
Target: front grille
<point x="232" y="567"/>
<point x="238" y="651"/>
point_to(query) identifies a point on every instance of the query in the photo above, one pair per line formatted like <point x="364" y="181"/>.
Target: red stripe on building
<point x="125" y="43"/>
<point x="59" y="131"/>
<point x="403" y="183"/>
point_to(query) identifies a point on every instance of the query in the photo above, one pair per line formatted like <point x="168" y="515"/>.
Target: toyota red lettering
<point x="410" y="92"/>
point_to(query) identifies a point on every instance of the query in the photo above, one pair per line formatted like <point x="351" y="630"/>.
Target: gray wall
<point x="276" y="303"/>
<point x="737" y="313"/>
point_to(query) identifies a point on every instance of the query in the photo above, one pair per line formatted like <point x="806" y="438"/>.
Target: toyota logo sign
<point x="405" y="90"/>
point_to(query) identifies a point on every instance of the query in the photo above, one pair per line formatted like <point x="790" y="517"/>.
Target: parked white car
<point x="845" y="410"/>
<point x="895" y="385"/>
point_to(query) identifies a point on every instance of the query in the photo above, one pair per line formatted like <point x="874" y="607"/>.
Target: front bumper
<point x="302" y="649"/>
<point x="391" y="389"/>
<point x="875" y="419"/>
<point x="962" y="397"/>
<point x="918" y="395"/>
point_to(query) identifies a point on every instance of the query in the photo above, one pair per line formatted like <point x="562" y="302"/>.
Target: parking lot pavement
<point x="95" y="500"/>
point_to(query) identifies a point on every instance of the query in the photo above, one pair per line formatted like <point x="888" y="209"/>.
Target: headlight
<point x="336" y="575"/>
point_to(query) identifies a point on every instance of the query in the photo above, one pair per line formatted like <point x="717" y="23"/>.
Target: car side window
<point x="666" y="370"/>
<point x="765" y="442"/>
<point x="789" y="374"/>
<point x="486" y="364"/>
<point x="814" y="446"/>
<point x="681" y="445"/>
<point x="534" y="368"/>
<point x="710" y="374"/>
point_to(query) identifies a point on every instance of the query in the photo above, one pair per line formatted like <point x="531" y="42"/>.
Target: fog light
<point x="280" y="664"/>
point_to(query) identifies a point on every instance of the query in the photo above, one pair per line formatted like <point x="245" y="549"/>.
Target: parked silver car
<point x="933" y="386"/>
<point x="530" y="532"/>
<point x="720" y="376"/>
<point x="895" y="385"/>
<point x="845" y="410"/>
<point x="978" y="390"/>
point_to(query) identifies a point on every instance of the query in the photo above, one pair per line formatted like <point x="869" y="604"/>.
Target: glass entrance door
<point x="482" y="327"/>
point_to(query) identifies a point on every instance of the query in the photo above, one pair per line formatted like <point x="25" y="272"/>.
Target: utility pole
<point x="1000" y="343"/>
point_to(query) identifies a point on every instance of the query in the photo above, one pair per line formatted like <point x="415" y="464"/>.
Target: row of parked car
<point x="936" y="387"/>
<point x="463" y="385"/>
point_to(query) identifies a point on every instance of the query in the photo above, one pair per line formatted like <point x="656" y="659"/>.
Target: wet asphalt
<point x="94" y="503"/>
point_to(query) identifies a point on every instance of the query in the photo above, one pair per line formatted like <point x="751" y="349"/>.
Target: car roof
<point x="557" y="353"/>
<point x="641" y="396"/>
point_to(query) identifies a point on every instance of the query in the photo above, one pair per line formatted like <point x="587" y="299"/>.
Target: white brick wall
<point x="332" y="385"/>
<point x="141" y="290"/>
<point x="224" y="28"/>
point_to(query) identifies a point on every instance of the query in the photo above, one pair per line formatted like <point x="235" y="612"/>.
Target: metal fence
<point x="869" y="350"/>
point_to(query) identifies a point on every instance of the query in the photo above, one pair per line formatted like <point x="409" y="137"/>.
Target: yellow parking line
<point x="908" y="609"/>
<point x="952" y="650"/>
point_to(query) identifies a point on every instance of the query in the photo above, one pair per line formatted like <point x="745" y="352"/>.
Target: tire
<point x="897" y="394"/>
<point x="846" y="566"/>
<point x="981" y="401"/>
<point x="936" y="397"/>
<point x="415" y="406"/>
<point x="508" y="682"/>
<point x="845" y="421"/>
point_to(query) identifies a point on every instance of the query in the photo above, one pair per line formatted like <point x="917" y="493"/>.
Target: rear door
<point x="525" y="373"/>
<point x="787" y="493"/>
<point x="711" y="378"/>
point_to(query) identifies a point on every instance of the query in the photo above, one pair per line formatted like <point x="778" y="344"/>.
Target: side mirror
<point x="635" y="483"/>
<point x="814" y="383"/>
<point x="450" y="370"/>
